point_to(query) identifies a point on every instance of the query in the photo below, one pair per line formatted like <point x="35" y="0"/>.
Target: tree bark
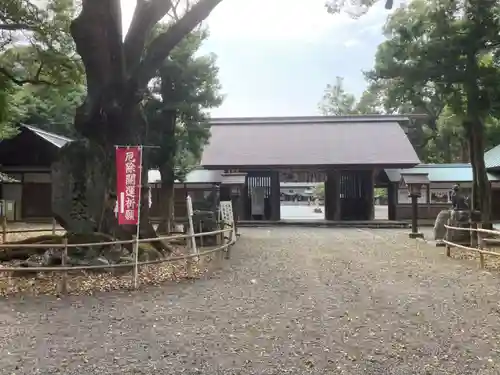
<point x="483" y="184"/>
<point x="464" y="154"/>
<point x="474" y="127"/>
<point x="168" y="151"/>
<point x="474" y="199"/>
<point x="117" y="74"/>
<point x="166" y="207"/>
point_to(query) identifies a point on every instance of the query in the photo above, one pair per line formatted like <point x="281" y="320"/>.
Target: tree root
<point x="146" y="250"/>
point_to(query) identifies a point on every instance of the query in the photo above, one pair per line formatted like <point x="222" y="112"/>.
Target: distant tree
<point x="336" y="101"/>
<point x="36" y="49"/>
<point x="319" y="191"/>
<point x="355" y="8"/>
<point x="49" y="108"/>
<point x="186" y="87"/>
<point x="448" y="50"/>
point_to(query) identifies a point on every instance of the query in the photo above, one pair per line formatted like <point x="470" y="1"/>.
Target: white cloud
<point x="273" y="20"/>
<point x="291" y="20"/>
<point x="265" y="46"/>
<point x="351" y="42"/>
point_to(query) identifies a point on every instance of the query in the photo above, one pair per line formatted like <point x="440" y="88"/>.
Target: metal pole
<point x="136" y="252"/>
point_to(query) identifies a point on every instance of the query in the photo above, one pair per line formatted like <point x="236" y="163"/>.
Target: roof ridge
<point x="37" y="129"/>
<point x="292" y="120"/>
<point x="442" y="165"/>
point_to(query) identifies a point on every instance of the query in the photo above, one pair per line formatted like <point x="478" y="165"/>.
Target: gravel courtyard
<point x="290" y="301"/>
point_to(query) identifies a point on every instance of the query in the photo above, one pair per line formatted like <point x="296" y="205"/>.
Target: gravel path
<point x="290" y="301"/>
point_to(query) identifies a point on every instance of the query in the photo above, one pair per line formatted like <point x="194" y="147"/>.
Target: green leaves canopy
<point x="185" y="89"/>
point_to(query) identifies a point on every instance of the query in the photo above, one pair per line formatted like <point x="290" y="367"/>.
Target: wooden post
<point x="474" y="242"/>
<point x="480" y="245"/>
<point x="371" y="195"/>
<point x="64" y="263"/>
<point x="136" y="259"/>
<point x="201" y="231"/>
<point x="414" y="215"/>
<point x="392" y="200"/>
<point x="4" y="229"/>
<point x="275" y="197"/>
<point x="54" y="223"/>
<point x="332" y="196"/>
<point x="447" y="238"/>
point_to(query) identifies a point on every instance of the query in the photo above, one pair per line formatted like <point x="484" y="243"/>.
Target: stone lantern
<point x="414" y="183"/>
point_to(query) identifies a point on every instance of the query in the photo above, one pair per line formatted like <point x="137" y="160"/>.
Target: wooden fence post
<point x="64" y="263"/>
<point x="136" y="260"/>
<point x="480" y="245"/>
<point x="4" y="229"/>
<point x="447" y="237"/>
<point x="53" y="226"/>
<point x="474" y="241"/>
<point x="227" y="251"/>
<point x="201" y="231"/>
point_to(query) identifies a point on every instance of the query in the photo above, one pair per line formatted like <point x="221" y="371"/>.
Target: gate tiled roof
<point x="309" y="141"/>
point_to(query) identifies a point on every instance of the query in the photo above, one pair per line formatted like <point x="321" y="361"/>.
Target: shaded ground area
<point x="291" y="301"/>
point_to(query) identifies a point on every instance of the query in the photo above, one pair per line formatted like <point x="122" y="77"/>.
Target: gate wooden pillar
<point x="332" y="195"/>
<point x="275" y="196"/>
<point x="370" y="196"/>
<point x="392" y="200"/>
<point x="245" y="202"/>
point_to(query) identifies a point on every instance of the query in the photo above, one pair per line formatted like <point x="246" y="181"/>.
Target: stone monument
<point x="459" y="216"/>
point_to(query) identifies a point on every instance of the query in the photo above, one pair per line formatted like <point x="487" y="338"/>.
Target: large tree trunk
<point x="464" y="151"/>
<point x="166" y="205"/>
<point x="483" y="183"/>
<point x="116" y="74"/>
<point x="474" y="126"/>
<point x="168" y="151"/>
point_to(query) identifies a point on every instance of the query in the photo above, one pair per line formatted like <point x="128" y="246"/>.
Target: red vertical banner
<point x="128" y="184"/>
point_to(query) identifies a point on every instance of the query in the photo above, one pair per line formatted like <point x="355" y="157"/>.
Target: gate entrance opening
<point x="350" y="151"/>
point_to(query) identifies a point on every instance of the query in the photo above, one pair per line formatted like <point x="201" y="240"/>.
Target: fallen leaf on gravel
<point x="88" y="283"/>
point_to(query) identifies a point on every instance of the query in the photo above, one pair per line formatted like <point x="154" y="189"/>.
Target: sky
<point x="277" y="56"/>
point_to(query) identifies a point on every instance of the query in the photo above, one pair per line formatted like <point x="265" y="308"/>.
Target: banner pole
<point x="136" y="245"/>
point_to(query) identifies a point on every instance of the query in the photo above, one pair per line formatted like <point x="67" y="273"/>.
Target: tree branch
<point x="16" y="26"/>
<point x="97" y="33"/>
<point x="175" y="14"/>
<point x="21" y="82"/>
<point x="146" y="15"/>
<point x="161" y="47"/>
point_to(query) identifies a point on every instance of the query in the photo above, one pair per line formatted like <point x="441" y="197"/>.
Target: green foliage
<point x="319" y="191"/>
<point x="355" y="8"/>
<point x="7" y="113"/>
<point x="380" y="192"/>
<point x="41" y="77"/>
<point x="337" y="101"/>
<point x="186" y="87"/>
<point x="35" y="43"/>
<point x="49" y="108"/>
<point x="442" y="58"/>
<point x="422" y="69"/>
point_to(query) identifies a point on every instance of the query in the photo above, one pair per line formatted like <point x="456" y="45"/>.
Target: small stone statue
<point x="458" y="201"/>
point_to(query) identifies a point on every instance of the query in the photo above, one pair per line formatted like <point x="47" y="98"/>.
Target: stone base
<point x="415" y="235"/>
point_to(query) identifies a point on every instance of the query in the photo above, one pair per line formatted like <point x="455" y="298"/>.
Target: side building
<point x="27" y="159"/>
<point x="437" y="195"/>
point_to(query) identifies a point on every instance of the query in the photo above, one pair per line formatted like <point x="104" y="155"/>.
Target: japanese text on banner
<point x="128" y="189"/>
